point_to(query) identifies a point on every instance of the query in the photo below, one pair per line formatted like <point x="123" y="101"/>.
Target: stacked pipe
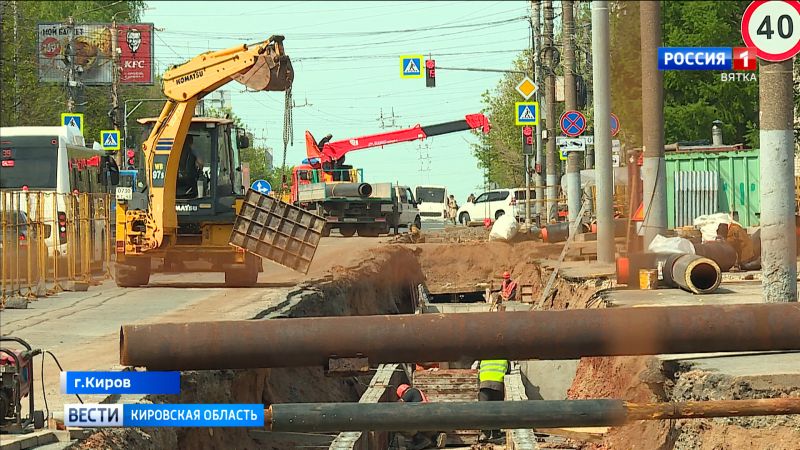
<point x="348" y="189"/>
<point x="694" y="273"/>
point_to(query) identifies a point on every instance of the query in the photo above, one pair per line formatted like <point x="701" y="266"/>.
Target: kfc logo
<point x="134" y="39"/>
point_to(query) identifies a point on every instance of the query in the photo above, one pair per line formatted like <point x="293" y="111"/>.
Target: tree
<point x="254" y="156"/>
<point x="27" y="102"/>
<point x="694" y="99"/>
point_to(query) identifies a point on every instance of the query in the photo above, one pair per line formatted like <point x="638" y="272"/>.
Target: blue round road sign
<point x="614" y="124"/>
<point x="573" y="123"/>
<point x="261" y="186"/>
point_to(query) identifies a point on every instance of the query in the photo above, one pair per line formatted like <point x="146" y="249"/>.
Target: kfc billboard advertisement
<point x="135" y="43"/>
<point x="91" y="47"/>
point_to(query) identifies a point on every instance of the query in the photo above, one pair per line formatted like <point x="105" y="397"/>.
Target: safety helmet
<point x="506" y="276"/>
<point x="402" y="390"/>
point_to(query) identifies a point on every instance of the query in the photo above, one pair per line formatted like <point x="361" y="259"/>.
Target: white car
<point x="493" y="204"/>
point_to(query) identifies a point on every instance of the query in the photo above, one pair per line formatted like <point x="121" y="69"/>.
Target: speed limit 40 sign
<point x="773" y="28"/>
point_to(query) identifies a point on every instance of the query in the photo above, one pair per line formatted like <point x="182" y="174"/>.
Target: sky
<point x="347" y="71"/>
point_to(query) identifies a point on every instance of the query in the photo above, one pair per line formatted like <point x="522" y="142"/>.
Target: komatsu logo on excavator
<point x="192" y="76"/>
<point x="186" y="208"/>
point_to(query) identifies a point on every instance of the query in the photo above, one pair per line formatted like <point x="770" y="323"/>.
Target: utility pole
<point x="71" y="83"/>
<point x="778" y="248"/>
<point x="17" y="103"/>
<point x="654" y="167"/>
<point x="115" y="73"/>
<point x="550" y="102"/>
<point x="539" y="179"/>
<point x="570" y="104"/>
<point x="601" y="74"/>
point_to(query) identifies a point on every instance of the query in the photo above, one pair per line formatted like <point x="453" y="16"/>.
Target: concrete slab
<point x="29" y="440"/>
<point x="737" y="292"/>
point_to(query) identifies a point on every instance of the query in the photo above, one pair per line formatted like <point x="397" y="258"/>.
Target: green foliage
<point x="255" y="155"/>
<point x="27" y="102"/>
<point x="626" y="71"/>
<point x="500" y="152"/>
<point x="694" y="99"/>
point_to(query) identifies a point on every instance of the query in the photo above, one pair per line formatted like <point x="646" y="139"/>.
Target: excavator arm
<point x="263" y="66"/>
<point x="327" y="151"/>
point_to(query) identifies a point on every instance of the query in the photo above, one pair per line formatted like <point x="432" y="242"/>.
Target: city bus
<point x="53" y="165"/>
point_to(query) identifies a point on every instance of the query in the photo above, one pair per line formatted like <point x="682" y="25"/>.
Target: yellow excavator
<point x="182" y="208"/>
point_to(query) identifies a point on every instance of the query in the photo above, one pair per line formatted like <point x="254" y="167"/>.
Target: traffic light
<point x="430" y="73"/>
<point x="130" y="153"/>
<point x="527" y="140"/>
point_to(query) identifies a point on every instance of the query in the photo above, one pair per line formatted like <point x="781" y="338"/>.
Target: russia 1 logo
<point x="744" y="58"/>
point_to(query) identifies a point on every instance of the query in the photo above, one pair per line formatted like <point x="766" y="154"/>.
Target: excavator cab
<point x="209" y="174"/>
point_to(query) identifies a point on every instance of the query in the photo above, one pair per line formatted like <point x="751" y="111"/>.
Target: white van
<point x="432" y="202"/>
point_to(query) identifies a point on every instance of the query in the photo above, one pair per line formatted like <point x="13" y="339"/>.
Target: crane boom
<point x="327" y="151"/>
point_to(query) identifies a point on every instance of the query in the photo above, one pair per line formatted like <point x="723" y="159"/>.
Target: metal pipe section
<point x="720" y="252"/>
<point x="333" y="417"/>
<point x="601" y="75"/>
<point x="348" y="189"/>
<point x="549" y="335"/>
<point x="696" y="274"/>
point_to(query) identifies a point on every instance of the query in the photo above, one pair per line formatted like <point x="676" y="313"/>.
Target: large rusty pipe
<point x="338" y="417"/>
<point x="548" y="335"/>
<point x="696" y="274"/>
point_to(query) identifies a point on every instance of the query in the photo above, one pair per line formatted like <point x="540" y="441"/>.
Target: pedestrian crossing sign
<point x="109" y="140"/>
<point x="526" y="113"/>
<point x="72" y="120"/>
<point x="411" y="66"/>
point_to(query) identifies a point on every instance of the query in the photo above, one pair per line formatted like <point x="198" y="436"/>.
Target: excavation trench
<point x="388" y="281"/>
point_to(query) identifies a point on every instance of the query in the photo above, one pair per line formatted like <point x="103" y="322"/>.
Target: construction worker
<point x="491" y="374"/>
<point x="452" y="208"/>
<point x="419" y="440"/>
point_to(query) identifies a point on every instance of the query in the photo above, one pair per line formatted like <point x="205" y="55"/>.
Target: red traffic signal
<point x="430" y="73"/>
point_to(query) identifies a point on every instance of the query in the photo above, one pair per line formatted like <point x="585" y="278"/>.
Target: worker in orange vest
<point x="419" y="440"/>
<point x="508" y="288"/>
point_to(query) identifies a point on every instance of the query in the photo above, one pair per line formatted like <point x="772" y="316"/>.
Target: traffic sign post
<point x="526" y="113"/>
<point x="261" y="186"/>
<point x="411" y="66"/>
<point x="614" y="125"/>
<point x="773" y="28"/>
<point x="109" y="140"/>
<point x="573" y="123"/>
<point x="72" y="120"/>
<point x="527" y="88"/>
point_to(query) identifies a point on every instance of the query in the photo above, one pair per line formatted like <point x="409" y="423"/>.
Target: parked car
<point x="493" y="204"/>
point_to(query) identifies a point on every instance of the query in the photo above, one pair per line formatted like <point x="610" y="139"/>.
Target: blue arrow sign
<point x="261" y="186"/>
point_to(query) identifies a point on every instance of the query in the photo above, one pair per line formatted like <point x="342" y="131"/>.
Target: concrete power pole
<point x="601" y="74"/>
<point x="539" y="178"/>
<point x="550" y="102"/>
<point x="115" y="73"/>
<point x="571" y="103"/>
<point x="778" y="240"/>
<point x="654" y="167"/>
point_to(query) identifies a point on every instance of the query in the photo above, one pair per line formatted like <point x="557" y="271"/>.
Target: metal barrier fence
<point x="52" y="242"/>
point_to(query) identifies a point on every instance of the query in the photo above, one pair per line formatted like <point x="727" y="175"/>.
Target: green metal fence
<point x="738" y="182"/>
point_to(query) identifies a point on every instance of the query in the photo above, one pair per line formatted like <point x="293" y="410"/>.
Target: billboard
<point x="92" y="48"/>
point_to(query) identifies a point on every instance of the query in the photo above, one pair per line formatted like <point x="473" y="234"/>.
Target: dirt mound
<point x="470" y="266"/>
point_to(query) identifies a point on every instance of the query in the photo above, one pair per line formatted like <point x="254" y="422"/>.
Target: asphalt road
<point x="82" y="328"/>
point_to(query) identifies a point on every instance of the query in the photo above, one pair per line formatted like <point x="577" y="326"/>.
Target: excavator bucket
<point x="272" y="70"/>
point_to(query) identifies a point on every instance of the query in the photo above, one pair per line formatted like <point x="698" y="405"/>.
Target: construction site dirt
<point x="378" y="276"/>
